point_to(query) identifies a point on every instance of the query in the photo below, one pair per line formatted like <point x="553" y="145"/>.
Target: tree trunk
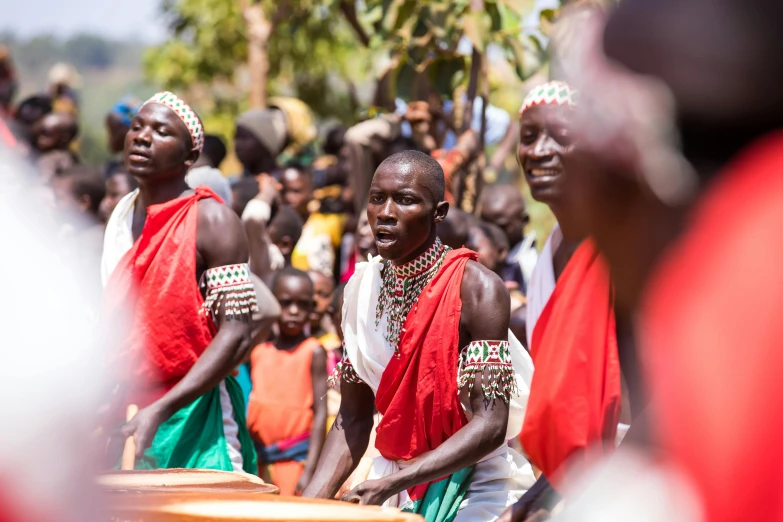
<point x="259" y="29"/>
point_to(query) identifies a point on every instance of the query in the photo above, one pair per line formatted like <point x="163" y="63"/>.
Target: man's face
<point x="324" y="288"/>
<point x="297" y="191"/>
<point x="545" y="139"/>
<point x="296" y="302"/>
<point x="250" y="152"/>
<point x="507" y="213"/>
<point x="486" y="249"/>
<point x="47" y="133"/>
<point x="401" y="212"/>
<point x="158" y="144"/>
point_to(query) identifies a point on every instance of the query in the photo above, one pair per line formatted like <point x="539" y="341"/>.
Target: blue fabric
<point x="245" y="383"/>
<point x="125" y="110"/>
<point x="273" y="453"/>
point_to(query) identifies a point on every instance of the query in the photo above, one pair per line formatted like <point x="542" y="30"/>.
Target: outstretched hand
<point x="143" y="426"/>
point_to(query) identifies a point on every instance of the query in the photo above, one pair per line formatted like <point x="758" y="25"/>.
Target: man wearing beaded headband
<point x="175" y="261"/>
<point x="426" y="338"/>
<point x="572" y="327"/>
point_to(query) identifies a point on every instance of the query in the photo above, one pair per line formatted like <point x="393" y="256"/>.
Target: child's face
<point x="295" y="296"/>
<point x="324" y="287"/>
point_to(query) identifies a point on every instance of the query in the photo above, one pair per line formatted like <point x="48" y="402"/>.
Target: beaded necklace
<point x="402" y="286"/>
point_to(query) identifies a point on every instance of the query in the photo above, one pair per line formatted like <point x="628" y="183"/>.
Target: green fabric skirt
<point x="194" y="437"/>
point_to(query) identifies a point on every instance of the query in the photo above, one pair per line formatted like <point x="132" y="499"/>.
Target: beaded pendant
<point x="401" y="287"/>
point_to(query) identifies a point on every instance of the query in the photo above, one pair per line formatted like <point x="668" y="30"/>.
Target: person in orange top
<point x="286" y="416"/>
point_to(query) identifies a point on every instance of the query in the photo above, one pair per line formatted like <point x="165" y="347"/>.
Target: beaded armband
<point x="230" y="286"/>
<point x="343" y="370"/>
<point x="491" y="361"/>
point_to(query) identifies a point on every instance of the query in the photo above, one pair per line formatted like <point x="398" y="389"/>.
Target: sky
<point x="138" y="19"/>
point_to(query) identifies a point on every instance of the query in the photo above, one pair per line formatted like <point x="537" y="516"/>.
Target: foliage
<point x="310" y="47"/>
<point x="427" y="37"/>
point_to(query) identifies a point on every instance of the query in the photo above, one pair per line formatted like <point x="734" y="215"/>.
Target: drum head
<point x="194" y="480"/>
<point x="225" y="506"/>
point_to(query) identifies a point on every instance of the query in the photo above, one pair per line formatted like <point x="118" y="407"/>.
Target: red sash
<point x="574" y="400"/>
<point x="712" y="338"/>
<point x="417" y="395"/>
<point x="155" y="285"/>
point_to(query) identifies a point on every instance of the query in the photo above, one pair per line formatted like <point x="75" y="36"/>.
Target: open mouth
<point x="384" y="238"/>
<point x="542" y="172"/>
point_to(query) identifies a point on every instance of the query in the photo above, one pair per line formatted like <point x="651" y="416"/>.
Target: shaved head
<point x="504" y="207"/>
<point x="428" y="171"/>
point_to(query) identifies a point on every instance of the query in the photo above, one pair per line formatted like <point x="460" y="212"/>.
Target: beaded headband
<point x="185" y="113"/>
<point x="550" y="93"/>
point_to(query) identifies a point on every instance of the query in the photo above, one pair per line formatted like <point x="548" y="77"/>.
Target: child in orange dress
<point x="287" y="413"/>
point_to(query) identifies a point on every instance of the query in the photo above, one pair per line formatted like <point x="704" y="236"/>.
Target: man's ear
<point x="441" y="209"/>
<point x="192" y="157"/>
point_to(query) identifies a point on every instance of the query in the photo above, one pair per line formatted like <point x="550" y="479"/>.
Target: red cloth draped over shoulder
<point x="711" y="341"/>
<point x="154" y="286"/>
<point x="418" y="395"/>
<point x="574" y="402"/>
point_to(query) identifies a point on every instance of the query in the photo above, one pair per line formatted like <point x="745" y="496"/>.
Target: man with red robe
<point x="176" y="276"/>
<point x="427" y="344"/>
<point x="695" y="247"/>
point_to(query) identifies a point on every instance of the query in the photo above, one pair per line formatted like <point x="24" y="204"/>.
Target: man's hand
<point x="515" y="514"/>
<point x="368" y="493"/>
<point x="143" y="426"/>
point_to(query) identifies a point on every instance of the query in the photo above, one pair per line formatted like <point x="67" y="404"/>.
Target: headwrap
<point x="125" y="109"/>
<point x="268" y="126"/>
<point x="185" y="113"/>
<point x="550" y="93"/>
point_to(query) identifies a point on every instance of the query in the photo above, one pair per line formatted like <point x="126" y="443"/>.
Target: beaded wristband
<point x="229" y="285"/>
<point x="343" y="370"/>
<point x="491" y="360"/>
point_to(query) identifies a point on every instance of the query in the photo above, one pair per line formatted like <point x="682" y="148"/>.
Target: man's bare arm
<point x="346" y="442"/>
<point x="221" y="241"/>
<point x="485" y="312"/>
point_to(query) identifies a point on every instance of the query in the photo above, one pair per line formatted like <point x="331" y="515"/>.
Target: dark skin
<point x="297" y="191"/>
<point x="117" y="186"/>
<point x="504" y="207"/>
<point x="158" y="153"/>
<point x="295" y="295"/>
<point x="54" y="131"/>
<point x="546" y="153"/>
<point x="324" y="288"/>
<point x="116" y="131"/>
<point x="255" y="158"/>
<point x="403" y="212"/>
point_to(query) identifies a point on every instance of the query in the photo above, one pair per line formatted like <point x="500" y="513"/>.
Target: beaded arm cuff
<point x="229" y="284"/>
<point x="343" y="370"/>
<point x="492" y="358"/>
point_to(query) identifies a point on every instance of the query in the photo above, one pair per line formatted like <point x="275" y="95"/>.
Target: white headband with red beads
<point x="550" y="93"/>
<point x="185" y="113"/>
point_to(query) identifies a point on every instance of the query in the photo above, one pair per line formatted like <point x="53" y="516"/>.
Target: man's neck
<point x="161" y="192"/>
<point x="419" y="251"/>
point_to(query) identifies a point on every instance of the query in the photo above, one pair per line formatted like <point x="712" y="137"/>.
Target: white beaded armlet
<point x="229" y="285"/>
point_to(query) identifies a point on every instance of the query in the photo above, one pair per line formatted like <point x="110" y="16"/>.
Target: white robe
<point x="501" y="478"/>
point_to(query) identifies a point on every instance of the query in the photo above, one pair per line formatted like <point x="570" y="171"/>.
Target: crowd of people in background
<point x="302" y="197"/>
<point x="628" y="309"/>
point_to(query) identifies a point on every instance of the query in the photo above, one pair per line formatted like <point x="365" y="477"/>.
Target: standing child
<point x="287" y="416"/>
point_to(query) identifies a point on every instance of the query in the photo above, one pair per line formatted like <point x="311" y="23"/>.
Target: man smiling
<point x="175" y="263"/>
<point x="427" y="342"/>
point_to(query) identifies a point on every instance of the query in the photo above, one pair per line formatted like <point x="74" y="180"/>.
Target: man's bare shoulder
<point x="486" y="304"/>
<point x="221" y="237"/>
<point x="480" y="281"/>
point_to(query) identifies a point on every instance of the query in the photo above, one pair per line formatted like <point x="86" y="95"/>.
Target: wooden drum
<point x="182" y="480"/>
<point x="177" y="506"/>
